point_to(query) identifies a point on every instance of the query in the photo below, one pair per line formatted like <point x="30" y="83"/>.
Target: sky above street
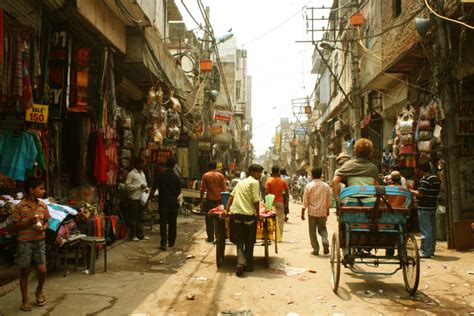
<point x="280" y="67"/>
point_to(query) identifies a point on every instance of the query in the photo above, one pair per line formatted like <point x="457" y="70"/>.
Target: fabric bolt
<point x="183" y="160"/>
<point x="276" y="186"/>
<point x="317" y="224"/>
<point x="427" y="220"/>
<point x="317" y="198"/>
<point x="245" y="194"/>
<point x="214" y="183"/>
<point x="25" y="211"/>
<point x="135" y="179"/>
<point x="17" y="154"/>
<point x="168" y="219"/>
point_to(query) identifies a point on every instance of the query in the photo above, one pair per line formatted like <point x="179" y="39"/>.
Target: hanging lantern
<point x="357" y="19"/>
<point x="307" y="109"/>
<point x="205" y="65"/>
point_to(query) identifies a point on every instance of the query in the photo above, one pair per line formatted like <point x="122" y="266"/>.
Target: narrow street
<point x="143" y="280"/>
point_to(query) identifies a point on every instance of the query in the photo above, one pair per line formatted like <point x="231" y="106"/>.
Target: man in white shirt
<point x="317" y="199"/>
<point x="136" y="185"/>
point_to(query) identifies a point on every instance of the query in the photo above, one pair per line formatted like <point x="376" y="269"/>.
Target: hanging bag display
<point x="406" y="149"/>
<point x="405" y="123"/>
<point x="424" y="135"/>
<point x="425" y="146"/>
<point x="406" y="139"/>
<point x="425" y="125"/>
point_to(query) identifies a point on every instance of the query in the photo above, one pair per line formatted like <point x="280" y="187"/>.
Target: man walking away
<point x="263" y="182"/>
<point x="214" y="183"/>
<point x="287" y="179"/>
<point x="317" y="199"/>
<point x="427" y="201"/>
<point x="244" y="204"/>
<point x="136" y="184"/>
<point x="169" y="188"/>
<point x="278" y="187"/>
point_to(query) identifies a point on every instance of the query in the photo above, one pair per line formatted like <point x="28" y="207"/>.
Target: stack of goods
<point x="127" y="145"/>
<point x="403" y="145"/>
<point x="427" y="133"/>
<point x="156" y="123"/>
<point x="417" y="137"/>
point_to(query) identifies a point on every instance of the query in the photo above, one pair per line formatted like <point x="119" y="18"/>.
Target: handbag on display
<point x="424" y="135"/>
<point x="410" y="161"/>
<point x="405" y="123"/>
<point x="406" y="139"/>
<point x="424" y="157"/>
<point x="428" y="112"/>
<point x="406" y="149"/>
<point x="425" y="146"/>
<point x="425" y="125"/>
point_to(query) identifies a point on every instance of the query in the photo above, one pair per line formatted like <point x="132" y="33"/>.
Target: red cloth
<point x="100" y="166"/>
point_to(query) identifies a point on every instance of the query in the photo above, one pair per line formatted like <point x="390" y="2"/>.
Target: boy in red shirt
<point x="277" y="186"/>
<point x="30" y="220"/>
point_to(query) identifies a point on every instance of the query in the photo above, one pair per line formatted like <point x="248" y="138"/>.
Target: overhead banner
<point x="223" y="116"/>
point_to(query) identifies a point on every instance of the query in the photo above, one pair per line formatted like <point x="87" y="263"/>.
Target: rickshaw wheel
<point x="220" y="242"/>
<point x="265" y="243"/>
<point x="335" y="262"/>
<point x="410" y="264"/>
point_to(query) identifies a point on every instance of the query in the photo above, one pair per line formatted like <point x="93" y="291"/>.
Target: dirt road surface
<point x="142" y="280"/>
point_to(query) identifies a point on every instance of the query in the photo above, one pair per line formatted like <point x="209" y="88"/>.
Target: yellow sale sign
<point x="38" y="113"/>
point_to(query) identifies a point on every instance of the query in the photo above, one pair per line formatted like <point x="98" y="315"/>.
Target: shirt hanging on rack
<point x="17" y="154"/>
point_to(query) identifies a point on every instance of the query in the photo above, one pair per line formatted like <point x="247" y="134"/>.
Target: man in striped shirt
<point x="427" y="201"/>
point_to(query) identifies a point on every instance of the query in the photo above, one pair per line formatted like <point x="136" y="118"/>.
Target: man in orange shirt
<point x="214" y="183"/>
<point x="277" y="186"/>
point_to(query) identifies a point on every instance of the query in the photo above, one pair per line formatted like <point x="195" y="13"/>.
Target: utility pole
<point x="443" y="72"/>
<point x="355" y="92"/>
<point x="207" y="88"/>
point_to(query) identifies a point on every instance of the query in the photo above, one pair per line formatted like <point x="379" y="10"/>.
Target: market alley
<point x="143" y="280"/>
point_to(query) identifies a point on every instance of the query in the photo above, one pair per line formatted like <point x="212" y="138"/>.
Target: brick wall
<point x="401" y="39"/>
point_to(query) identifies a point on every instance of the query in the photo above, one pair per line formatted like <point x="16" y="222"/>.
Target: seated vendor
<point x="357" y="171"/>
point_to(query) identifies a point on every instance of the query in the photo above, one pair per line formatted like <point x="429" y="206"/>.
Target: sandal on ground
<point x="26" y="307"/>
<point x="40" y="298"/>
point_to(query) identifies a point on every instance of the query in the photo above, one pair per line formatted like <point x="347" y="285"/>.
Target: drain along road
<point x="143" y="280"/>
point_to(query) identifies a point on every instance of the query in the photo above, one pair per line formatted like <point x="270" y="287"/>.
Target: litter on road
<point x="202" y="279"/>
<point x="280" y="268"/>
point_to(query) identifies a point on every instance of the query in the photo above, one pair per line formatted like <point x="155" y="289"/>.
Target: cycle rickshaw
<point x="365" y="230"/>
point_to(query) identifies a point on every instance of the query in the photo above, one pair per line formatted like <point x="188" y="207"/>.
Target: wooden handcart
<point x="266" y="231"/>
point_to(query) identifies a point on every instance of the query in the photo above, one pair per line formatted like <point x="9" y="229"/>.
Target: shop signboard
<point x="161" y="155"/>
<point x="216" y="130"/>
<point x="37" y="113"/>
<point x="300" y="131"/>
<point x="225" y="116"/>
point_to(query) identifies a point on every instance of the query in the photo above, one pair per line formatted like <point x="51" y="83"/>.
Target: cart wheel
<point x="220" y="242"/>
<point x="411" y="264"/>
<point x="265" y="241"/>
<point x="335" y="262"/>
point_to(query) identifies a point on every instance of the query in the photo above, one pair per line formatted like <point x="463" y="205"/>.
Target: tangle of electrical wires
<point x="126" y="13"/>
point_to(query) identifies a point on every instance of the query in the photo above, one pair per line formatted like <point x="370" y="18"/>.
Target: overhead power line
<point x="446" y="18"/>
